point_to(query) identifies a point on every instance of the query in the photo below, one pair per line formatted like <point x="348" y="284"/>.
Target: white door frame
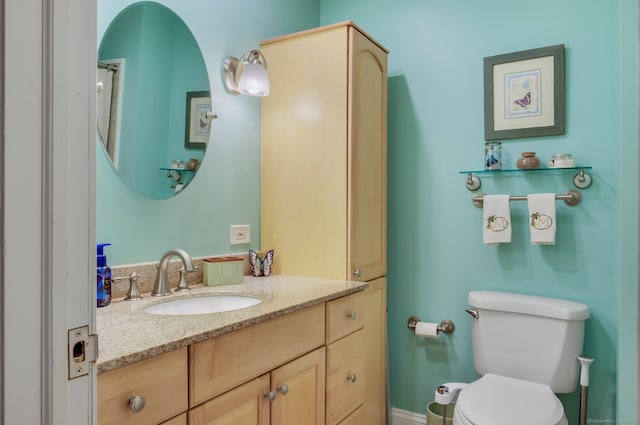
<point x="47" y="269"/>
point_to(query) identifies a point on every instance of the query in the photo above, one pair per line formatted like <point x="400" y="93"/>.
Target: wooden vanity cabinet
<point x="307" y="367"/>
<point x="323" y="172"/>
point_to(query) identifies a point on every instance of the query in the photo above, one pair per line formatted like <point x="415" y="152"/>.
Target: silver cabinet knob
<point x="351" y="377"/>
<point x="357" y="272"/>
<point x="271" y="395"/>
<point x="284" y="389"/>
<point x="352" y="315"/>
<point x="137" y="403"/>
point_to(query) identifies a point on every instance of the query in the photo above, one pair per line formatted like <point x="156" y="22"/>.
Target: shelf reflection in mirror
<point x="152" y="84"/>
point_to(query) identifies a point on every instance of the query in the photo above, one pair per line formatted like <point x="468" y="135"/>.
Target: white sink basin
<point x="203" y="305"/>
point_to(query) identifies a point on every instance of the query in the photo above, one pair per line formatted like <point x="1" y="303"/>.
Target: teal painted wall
<point x="226" y="190"/>
<point x="436" y="255"/>
<point x="435" y="130"/>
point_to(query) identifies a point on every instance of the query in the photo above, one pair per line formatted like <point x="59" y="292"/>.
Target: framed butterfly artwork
<point x="524" y="94"/>
<point x="197" y="120"/>
<point x="261" y="265"/>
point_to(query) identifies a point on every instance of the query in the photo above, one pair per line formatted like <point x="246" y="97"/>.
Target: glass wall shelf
<point x="178" y="169"/>
<point x="581" y="180"/>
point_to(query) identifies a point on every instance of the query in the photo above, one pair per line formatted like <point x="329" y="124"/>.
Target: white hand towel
<point x="496" y="220"/>
<point x="542" y="218"/>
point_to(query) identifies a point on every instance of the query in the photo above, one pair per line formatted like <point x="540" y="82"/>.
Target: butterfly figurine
<point x="261" y="266"/>
<point x="524" y="101"/>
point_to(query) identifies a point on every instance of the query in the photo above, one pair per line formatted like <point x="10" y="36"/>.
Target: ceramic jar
<point x="528" y="160"/>
<point x="192" y="164"/>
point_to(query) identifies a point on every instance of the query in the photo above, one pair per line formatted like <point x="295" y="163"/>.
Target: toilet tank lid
<point x="528" y="304"/>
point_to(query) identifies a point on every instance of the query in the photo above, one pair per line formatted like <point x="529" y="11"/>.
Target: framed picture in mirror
<point x="198" y="122"/>
<point x="524" y="94"/>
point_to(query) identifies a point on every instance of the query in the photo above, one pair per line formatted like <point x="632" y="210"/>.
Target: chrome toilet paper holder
<point x="446" y="326"/>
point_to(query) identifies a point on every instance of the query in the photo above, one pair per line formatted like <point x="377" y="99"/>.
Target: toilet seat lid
<point x="500" y="400"/>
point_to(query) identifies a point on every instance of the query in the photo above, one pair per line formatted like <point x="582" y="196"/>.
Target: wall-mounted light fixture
<point x="247" y="75"/>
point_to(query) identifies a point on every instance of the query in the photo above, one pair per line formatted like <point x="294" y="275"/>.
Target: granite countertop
<point x="127" y="334"/>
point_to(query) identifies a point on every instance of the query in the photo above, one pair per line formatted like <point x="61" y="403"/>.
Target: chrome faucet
<point x="161" y="286"/>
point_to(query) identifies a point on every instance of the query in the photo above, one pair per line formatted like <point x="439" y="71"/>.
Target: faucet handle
<point x="133" y="293"/>
<point x="183" y="286"/>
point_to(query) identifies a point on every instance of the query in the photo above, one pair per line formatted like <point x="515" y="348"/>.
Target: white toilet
<point x="526" y="348"/>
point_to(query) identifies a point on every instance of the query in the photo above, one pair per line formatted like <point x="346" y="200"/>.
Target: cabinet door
<point x="245" y="405"/>
<point x="367" y="186"/>
<point x="300" y="386"/>
<point x="375" y="358"/>
<point x="303" y="206"/>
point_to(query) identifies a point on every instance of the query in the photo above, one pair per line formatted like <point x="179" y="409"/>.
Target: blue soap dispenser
<point x="104" y="277"/>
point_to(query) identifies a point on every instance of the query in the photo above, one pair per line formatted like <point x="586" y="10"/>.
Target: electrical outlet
<point x="240" y="234"/>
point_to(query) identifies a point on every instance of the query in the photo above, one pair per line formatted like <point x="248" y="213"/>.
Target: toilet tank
<point x="528" y="337"/>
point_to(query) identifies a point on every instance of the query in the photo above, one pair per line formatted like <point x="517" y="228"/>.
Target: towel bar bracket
<point x="571" y="198"/>
<point x="478" y="199"/>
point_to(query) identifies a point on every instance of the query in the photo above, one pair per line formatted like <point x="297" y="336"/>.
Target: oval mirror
<point x="153" y="100"/>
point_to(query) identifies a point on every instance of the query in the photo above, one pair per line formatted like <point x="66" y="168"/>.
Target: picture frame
<point x="524" y="93"/>
<point x="197" y="124"/>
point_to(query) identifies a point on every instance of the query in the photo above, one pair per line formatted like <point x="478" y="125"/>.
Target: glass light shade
<point x="254" y="80"/>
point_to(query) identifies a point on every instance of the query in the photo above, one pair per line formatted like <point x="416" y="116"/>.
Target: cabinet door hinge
<point x="82" y="350"/>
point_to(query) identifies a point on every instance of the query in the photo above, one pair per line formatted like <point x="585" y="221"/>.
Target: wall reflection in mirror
<point x="153" y="101"/>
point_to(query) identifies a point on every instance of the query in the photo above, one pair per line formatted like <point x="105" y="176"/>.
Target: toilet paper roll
<point x="427" y="329"/>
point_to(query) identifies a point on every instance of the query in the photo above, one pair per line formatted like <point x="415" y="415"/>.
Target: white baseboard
<point x="403" y="417"/>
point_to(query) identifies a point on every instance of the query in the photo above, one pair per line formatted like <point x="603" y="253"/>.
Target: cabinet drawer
<point x="344" y="316"/>
<point x="224" y="362"/>
<point x="345" y="376"/>
<point x="358" y="418"/>
<point x="161" y="380"/>
<point x="178" y="420"/>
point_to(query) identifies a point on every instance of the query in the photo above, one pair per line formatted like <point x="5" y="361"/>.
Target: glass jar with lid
<point x="562" y="160"/>
<point x="493" y="155"/>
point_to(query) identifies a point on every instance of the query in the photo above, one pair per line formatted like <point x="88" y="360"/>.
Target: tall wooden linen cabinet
<point x="323" y="174"/>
